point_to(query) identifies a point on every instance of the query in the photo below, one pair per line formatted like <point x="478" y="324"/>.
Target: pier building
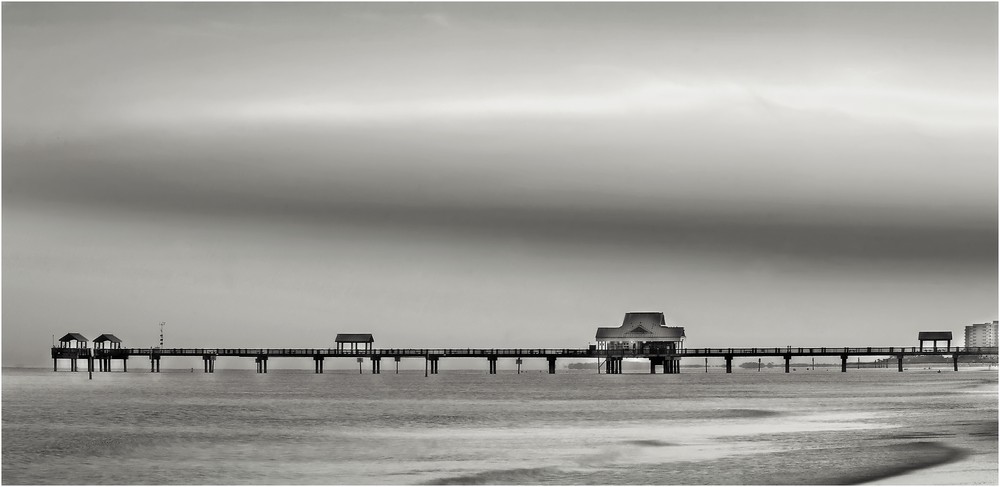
<point x="642" y="332"/>
<point x="934" y="337"/>
<point x="353" y="339"/>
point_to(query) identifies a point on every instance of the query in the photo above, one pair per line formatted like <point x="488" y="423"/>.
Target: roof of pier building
<point x="354" y="338"/>
<point x="649" y="326"/>
<point x="73" y="336"/>
<point x="934" y="335"/>
<point x="107" y="337"/>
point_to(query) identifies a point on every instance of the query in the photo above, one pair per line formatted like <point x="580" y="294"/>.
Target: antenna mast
<point x="161" y="332"/>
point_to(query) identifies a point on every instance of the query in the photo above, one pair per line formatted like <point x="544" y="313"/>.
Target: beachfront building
<point x="981" y="335"/>
<point x="641" y="332"/>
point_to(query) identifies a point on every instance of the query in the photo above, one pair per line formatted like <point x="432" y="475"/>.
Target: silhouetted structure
<point x="934" y="336"/>
<point x="68" y="340"/>
<point x="354" y="339"/>
<point x="107" y="340"/>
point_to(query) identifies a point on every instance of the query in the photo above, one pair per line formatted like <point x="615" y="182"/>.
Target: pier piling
<point x="729" y="364"/>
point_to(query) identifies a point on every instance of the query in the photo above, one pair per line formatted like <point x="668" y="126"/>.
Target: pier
<point x="610" y="360"/>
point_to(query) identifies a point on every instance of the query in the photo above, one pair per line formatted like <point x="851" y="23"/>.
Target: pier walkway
<point x="611" y="359"/>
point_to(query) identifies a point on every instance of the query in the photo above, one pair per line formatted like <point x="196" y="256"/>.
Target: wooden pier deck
<point x="611" y="358"/>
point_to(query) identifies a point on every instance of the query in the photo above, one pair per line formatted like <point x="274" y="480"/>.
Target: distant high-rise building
<point x="981" y="335"/>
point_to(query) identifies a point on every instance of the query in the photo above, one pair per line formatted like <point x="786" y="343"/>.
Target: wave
<point x="506" y="477"/>
<point x="918" y="455"/>
<point x="648" y="443"/>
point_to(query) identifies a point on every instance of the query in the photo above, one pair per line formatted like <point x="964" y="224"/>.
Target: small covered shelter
<point x="73" y="340"/>
<point x="641" y="332"/>
<point x="354" y="339"/>
<point x="107" y="340"/>
<point x="934" y="336"/>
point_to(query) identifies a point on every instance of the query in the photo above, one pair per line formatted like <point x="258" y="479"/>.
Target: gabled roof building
<point x="641" y="332"/>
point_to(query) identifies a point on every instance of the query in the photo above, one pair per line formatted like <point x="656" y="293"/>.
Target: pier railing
<point x="530" y="352"/>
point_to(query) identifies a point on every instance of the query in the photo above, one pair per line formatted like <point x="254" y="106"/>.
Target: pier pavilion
<point x="68" y="340"/>
<point x="642" y="333"/>
<point x="934" y="337"/>
<point x="354" y="339"/>
<point x="106" y="348"/>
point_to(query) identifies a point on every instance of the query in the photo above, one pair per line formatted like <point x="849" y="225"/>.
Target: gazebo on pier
<point x="107" y="340"/>
<point x="934" y="336"/>
<point x="354" y="339"/>
<point x="68" y="341"/>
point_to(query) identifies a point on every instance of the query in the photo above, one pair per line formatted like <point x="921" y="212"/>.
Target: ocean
<point x="469" y="427"/>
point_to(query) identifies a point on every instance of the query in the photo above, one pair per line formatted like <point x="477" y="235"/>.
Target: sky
<point x="497" y="175"/>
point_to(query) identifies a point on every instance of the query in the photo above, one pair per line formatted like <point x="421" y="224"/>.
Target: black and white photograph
<point x="499" y="243"/>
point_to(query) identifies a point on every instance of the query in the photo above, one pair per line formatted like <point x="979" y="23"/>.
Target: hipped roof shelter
<point x="354" y="339"/>
<point x="105" y="338"/>
<point x="81" y="341"/>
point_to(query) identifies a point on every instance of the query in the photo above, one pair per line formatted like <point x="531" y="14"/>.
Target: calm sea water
<point x="575" y="427"/>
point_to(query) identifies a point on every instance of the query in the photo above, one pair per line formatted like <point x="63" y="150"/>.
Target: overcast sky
<point x="480" y="175"/>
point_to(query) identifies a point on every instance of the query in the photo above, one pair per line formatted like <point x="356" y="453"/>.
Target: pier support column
<point x="204" y="358"/>
<point x="607" y="366"/>
<point x="434" y="365"/>
<point x="955" y="358"/>
<point x="552" y="364"/>
<point x="729" y="364"/>
<point x="788" y="363"/>
<point x="318" y="364"/>
<point x="519" y="366"/>
<point x="843" y="363"/>
<point x="652" y="365"/>
<point x="493" y="364"/>
<point x="396" y="359"/>
<point x="125" y="364"/>
<point x="899" y="361"/>
<point x="55" y="365"/>
<point x="677" y="365"/>
<point x="376" y="365"/>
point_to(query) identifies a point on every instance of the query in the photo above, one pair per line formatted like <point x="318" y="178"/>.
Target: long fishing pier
<point x="611" y="359"/>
